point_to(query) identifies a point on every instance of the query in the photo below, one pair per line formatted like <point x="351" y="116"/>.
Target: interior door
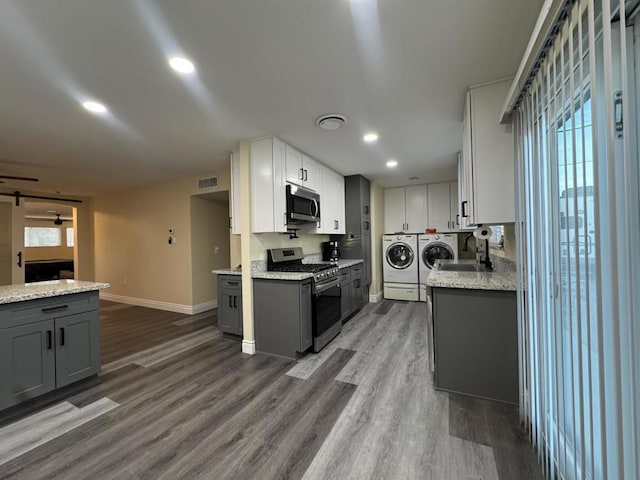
<point x="11" y="242"/>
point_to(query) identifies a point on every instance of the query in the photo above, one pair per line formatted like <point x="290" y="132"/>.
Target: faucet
<point x="488" y="267"/>
<point x="487" y="261"/>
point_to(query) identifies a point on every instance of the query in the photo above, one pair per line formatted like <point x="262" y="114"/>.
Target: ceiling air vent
<point x="205" y="183"/>
<point x="331" y="121"/>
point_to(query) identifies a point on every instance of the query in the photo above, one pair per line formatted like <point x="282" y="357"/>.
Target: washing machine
<point x="400" y="268"/>
<point x="432" y="247"/>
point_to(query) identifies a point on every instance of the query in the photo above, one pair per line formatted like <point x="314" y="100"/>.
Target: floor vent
<point x="205" y="183"/>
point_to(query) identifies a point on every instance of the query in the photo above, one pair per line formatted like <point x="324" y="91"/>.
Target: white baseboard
<point x="375" y="298"/>
<point x="249" y="347"/>
<point x="169" y="307"/>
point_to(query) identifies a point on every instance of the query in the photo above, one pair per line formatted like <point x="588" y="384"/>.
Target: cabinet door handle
<point x="53" y="309"/>
<point x="61" y="336"/>
<point x="235" y="301"/>
<point x="233" y="283"/>
<point x="230" y="301"/>
<point x="230" y="225"/>
<point x="301" y="174"/>
<point x="49" y="340"/>
<point x="464" y="210"/>
<point x="19" y="259"/>
<point x="335" y="225"/>
<point x="457" y="219"/>
<point x="366" y="225"/>
<point x="366" y="209"/>
<point x="306" y="175"/>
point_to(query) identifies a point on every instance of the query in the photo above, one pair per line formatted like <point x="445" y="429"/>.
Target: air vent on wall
<point x="205" y="183"/>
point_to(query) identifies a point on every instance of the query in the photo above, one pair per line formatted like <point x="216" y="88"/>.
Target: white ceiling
<point x="263" y="67"/>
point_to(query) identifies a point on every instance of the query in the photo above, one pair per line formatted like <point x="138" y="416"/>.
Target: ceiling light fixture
<point x="94" y="107"/>
<point x="182" y="65"/>
<point x="392" y="163"/>
<point x="331" y="121"/>
<point x="370" y="137"/>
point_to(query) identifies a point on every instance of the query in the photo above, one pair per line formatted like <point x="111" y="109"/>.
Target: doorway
<point x="210" y="244"/>
<point x="49" y="241"/>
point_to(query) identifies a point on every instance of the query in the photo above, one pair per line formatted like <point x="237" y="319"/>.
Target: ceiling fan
<point x="58" y="220"/>
<point x="13" y="177"/>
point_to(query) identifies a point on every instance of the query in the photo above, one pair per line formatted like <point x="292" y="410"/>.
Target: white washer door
<point x="436" y="251"/>
<point x="400" y="256"/>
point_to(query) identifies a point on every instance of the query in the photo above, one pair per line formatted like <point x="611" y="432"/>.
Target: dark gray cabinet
<point x="356" y="243"/>
<point x="476" y="342"/>
<point x="230" y="304"/>
<point x="47" y="344"/>
<point x="351" y="286"/>
<point x="77" y="339"/>
<point x="282" y="316"/>
<point x="27" y="362"/>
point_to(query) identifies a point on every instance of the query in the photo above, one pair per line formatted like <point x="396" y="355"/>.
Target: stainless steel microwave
<point x="303" y="205"/>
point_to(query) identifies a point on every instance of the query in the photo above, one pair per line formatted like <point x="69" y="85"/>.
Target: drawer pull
<point x="233" y="283"/>
<point x="49" y="340"/>
<point x="53" y="309"/>
<point x="61" y="336"/>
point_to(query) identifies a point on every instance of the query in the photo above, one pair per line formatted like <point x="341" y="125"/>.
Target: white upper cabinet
<point x="293" y="159"/>
<point x="312" y="173"/>
<point x="234" y="206"/>
<point x="439" y="206"/>
<point x="405" y="209"/>
<point x="416" y="213"/>
<point x="302" y="170"/>
<point x="487" y="158"/>
<point x="268" y="185"/>
<point x="453" y="205"/>
<point x="271" y="169"/>
<point x="332" y="207"/>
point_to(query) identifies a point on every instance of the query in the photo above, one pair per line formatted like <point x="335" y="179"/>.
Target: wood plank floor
<point x="185" y="403"/>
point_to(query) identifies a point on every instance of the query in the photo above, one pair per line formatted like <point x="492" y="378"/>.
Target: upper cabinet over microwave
<point x="269" y="181"/>
<point x="486" y="170"/>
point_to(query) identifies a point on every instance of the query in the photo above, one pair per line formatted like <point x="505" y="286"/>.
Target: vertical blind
<point x="578" y="229"/>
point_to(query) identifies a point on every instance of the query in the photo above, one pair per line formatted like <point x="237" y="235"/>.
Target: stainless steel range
<point x="326" y="293"/>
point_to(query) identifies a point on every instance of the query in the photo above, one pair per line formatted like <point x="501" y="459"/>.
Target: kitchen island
<point x="475" y="333"/>
<point x="49" y="337"/>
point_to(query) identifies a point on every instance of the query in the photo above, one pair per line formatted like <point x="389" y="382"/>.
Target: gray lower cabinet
<point x="230" y="304"/>
<point x="352" y="289"/>
<point x="47" y="344"/>
<point x="476" y="342"/>
<point x="282" y="316"/>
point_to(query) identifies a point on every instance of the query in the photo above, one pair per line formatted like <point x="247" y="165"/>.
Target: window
<point x="70" y="237"/>
<point x="42" y="237"/>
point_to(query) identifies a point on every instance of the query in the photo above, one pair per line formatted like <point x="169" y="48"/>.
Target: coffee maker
<point x="330" y="251"/>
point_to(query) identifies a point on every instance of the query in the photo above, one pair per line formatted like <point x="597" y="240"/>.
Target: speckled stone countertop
<point x="505" y="281"/>
<point x="349" y="262"/>
<point x="292" y="276"/>
<point x="54" y="288"/>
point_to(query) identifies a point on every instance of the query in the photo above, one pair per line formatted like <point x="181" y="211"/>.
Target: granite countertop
<point x="292" y="276"/>
<point x="348" y="262"/>
<point x="54" y="288"/>
<point x="505" y="281"/>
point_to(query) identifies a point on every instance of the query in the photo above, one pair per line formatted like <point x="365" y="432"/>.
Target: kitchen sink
<point x="460" y="267"/>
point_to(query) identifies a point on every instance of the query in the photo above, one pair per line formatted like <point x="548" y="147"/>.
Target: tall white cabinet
<point x="442" y="203"/>
<point x="486" y="171"/>
<point x="332" y="207"/>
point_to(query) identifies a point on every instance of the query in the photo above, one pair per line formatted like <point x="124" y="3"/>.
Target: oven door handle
<point x="326" y="286"/>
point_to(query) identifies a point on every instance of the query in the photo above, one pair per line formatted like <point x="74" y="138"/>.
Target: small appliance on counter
<point x="330" y="251"/>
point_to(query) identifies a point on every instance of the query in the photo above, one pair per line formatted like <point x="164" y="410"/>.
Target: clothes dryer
<point x="433" y="247"/>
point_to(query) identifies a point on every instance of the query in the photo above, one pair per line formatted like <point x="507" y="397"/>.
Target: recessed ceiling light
<point x="392" y="163"/>
<point x="94" y="107"/>
<point x="182" y="65"/>
<point x="370" y="137"/>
